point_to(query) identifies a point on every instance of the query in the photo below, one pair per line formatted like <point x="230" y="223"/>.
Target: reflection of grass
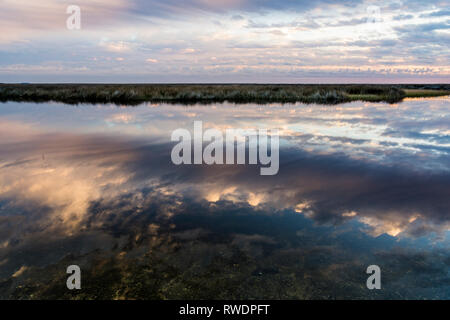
<point x="202" y="93"/>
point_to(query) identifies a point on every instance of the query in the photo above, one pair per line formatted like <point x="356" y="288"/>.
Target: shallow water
<point x="359" y="184"/>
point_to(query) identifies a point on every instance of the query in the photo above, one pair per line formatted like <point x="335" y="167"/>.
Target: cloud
<point x="403" y="17"/>
<point x="439" y="13"/>
<point x="232" y="41"/>
<point x="24" y="19"/>
<point x="157" y="7"/>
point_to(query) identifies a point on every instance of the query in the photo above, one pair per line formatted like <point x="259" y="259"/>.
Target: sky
<point x="216" y="41"/>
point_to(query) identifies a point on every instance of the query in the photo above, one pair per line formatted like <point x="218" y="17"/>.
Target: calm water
<point x="93" y="185"/>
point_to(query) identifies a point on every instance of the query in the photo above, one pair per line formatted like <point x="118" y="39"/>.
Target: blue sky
<point x="226" y="41"/>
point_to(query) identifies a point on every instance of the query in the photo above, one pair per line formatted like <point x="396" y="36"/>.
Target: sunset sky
<point x="283" y="41"/>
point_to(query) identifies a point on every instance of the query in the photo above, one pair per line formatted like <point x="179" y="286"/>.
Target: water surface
<point x="94" y="185"/>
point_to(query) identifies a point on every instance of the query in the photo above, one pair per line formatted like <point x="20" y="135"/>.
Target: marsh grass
<point x="421" y="93"/>
<point x="133" y="94"/>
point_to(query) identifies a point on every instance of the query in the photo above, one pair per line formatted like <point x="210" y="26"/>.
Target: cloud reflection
<point x="90" y="179"/>
<point x="64" y="174"/>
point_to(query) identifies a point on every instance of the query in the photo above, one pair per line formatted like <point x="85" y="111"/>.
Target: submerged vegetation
<point x="133" y="94"/>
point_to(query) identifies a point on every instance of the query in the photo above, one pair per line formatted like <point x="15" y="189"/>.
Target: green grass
<point x="365" y="97"/>
<point x="132" y="94"/>
<point x="421" y="93"/>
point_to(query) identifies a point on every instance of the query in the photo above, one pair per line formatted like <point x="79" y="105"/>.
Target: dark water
<point x="93" y="185"/>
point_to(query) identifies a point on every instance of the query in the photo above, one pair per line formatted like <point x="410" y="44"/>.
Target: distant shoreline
<point x="133" y="94"/>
